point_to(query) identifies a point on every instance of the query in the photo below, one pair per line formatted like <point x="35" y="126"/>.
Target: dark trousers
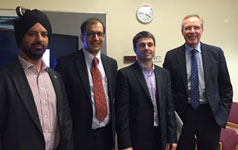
<point x="101" y="139"/>
<point x="199" y="122"/>
<point x="157" y="145"/>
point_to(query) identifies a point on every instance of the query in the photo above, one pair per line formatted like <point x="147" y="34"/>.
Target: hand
<point x="129" y="148"/>
<point x="171" y="146"/>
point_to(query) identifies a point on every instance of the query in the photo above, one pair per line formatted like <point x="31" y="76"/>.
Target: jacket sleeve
<point x="225" y="86"/>
<point x="2" y="106"/>
<point x="170" y="114"/>
<point x="122" y="112"/>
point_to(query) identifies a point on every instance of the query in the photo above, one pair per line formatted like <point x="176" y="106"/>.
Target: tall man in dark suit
<point x="145" y="118"/>
<point x="34" y="110"/>
<point x="201" y="87"/>
<point x="91" y="106"/>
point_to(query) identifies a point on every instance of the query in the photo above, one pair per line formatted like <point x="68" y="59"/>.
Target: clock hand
<point x="148" y="15"/>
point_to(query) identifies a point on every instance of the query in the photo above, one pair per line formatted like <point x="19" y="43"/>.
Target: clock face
<point x="145" y="14"/>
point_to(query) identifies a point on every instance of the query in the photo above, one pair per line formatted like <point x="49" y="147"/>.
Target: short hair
<point x="142" y="34"/>
<point x="91" y="21"/>
<point x="190" y="16"/>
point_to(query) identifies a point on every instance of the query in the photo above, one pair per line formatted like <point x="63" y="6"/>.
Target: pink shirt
<point x="45" y="100"/>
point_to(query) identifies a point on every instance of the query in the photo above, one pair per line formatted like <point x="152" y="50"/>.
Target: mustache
<point x="38" y="43"/>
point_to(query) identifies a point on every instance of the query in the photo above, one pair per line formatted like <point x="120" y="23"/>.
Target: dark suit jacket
<point x="134" y="109"/>
<point x="20" y="127"/>
<point x="218" y="88"/>
<point x="75" y="75"/>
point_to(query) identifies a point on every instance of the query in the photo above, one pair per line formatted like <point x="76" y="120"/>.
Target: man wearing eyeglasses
<point x="90" y="79"/>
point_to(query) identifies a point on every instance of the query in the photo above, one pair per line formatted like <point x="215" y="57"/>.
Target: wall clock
<point x="144" y="14"/>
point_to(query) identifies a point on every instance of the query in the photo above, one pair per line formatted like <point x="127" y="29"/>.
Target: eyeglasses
<point x="93" y="34"/>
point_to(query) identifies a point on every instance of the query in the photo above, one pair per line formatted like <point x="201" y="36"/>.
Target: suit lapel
<point x="18" y="76"/>
<point x="58" y="92"/>
<point x="140" y="77"/>
<point x="108" y="74"/>
<point x="181" y="61"/>
<point x="81" y="66"/>
<point x="158" y="80"/>
<point x="206" y="63"/>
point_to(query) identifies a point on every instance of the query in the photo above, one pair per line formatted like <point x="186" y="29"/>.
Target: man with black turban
<point x="34" y="112"/>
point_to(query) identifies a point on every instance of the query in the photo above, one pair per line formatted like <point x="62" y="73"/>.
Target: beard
<point x="33" y="52"/>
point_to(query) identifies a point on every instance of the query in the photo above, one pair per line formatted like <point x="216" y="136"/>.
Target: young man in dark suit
<point x="201" y="87"/>
<point x="90" y="80"/>
<point x="34" y="110"/>
<point x="145" y="118"/>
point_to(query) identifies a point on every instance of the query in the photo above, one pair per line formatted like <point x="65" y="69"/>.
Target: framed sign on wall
<point x="6" y="18"/>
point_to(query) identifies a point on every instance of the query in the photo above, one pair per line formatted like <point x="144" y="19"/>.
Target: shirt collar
<point x="143" y="68"/>
<point x="28" y="65"/>
<point x="198" y="48"/>
<point x="89" y="57"/>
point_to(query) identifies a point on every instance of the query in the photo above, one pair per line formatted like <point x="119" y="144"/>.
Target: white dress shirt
<point x="88" y="59"/>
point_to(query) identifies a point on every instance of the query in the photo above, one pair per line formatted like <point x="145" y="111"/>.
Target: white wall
<point x="220" y="29"/>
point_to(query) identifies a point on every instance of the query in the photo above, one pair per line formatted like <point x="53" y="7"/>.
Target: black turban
<point x="29" y="19"/>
